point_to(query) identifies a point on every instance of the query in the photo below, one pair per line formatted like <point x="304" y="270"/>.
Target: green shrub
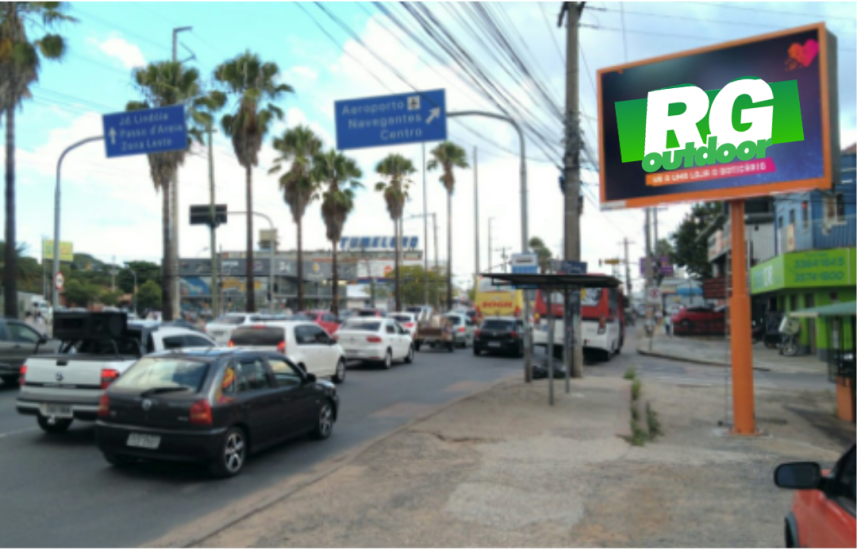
<point x="636" y="388"/>
<point x="630" y="374"/>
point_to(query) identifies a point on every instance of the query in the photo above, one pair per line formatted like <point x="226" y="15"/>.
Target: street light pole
<point x="56" y="263"/>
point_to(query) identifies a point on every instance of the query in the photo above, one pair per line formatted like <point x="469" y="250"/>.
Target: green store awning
<point x="846" y="309"/>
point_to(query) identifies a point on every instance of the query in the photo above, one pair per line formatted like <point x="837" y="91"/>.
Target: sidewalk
<point x="503" y="469"/>
<point x="715" y="350"/>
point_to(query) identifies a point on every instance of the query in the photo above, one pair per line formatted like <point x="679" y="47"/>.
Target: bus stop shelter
<point x="569" y="285"/>
<point x="839" y="323"/>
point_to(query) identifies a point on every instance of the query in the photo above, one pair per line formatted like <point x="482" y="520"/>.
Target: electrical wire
<point x="551" y="32"/>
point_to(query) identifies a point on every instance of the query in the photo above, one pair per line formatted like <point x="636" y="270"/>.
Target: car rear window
<point x="402" y="318"/>
<point x="368" y="326"/>
<point x="497" y="324"/>
<point x="454" y="318"/>
<point x="166" y="372"/>
<point x="258" y="336"/>
<point x="367" y="313"/>
<point x="230" y="320"/>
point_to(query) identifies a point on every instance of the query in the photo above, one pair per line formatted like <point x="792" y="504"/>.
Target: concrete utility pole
<point x="490" y="243"/>
<point x="425" y="230"/>
<point x="175" y="287"/>
<point x="572" y="10"/>
<point x="649" y="265"/>
<point x="626" y="242"/>
<point x="502" y="250"/>
<point x="476" y="218"/>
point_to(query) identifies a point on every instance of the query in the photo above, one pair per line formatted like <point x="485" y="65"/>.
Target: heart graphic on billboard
<point x="804" y="54"/>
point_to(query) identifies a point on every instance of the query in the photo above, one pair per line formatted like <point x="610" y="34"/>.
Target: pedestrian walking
<point x="668" y="325"/>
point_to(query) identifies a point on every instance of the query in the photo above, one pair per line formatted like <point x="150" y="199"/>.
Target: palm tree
<point x="396" y="169"/>
<point x="252" y="83"/>
<point x="340" y="174"/>
<point x="543" y="252"/>
<point x="167" y="83"/>
<point x="20" y="61"/>
<point x="299" y="146"/>
<point x="447" y="156"/>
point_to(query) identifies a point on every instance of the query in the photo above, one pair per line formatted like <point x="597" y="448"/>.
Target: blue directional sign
<point x="146" y="131"/>
<point x="390" y="120"/>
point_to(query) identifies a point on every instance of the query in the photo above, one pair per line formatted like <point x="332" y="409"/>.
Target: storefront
<point x="803" y="280"/>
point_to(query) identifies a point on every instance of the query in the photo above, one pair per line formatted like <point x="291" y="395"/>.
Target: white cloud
<point x="118" y="48"/>
<point x="304" y="72"/>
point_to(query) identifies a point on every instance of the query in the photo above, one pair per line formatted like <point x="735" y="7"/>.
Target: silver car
<point x="464" y="328"/>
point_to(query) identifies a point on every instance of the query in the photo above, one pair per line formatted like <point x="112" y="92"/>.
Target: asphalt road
<point x="57" y="491"/>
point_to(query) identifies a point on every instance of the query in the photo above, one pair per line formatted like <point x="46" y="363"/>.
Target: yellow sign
<point x="66" y="251"/>
<point x="241" y="286"/>
<point x="613" y="261"/>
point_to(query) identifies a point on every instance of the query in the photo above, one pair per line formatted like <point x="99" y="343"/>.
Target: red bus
<point x="602" y="321"/>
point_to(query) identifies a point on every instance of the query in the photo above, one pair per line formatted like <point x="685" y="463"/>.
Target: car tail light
<point x="409" y="325"/>
<point x="476" y="333"/>
<point x="104" y="405"/>
<point x="517" y="311"/>
<point x="23" y="379"/>
<point x="281" y="347"/>
<point x="200" y="412"/>
<point x="374" y="339"/>
<point x="602" y="325"/>
<point x="108" y="376"/>
<point x="513" y="334"/>
<point x="460" y="329"/>
<point x="231" y="343"/>
<point x="335" y="336"/>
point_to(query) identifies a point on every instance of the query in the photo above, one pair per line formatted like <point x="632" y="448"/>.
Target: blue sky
<point x="110" y="206"/>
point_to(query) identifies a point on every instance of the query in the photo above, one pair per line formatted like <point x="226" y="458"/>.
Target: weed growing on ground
<point x="636" y="387"/>
<point x="655" y="428"/>
<point x="630" y="374"/>
<point x="638" y="435"/>
<point x="635" y="415"/>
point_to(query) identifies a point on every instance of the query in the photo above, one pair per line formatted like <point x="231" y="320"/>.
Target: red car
<point x="699" y="320"/>
<point x="325" y="319"/>
<point x="822" y="514"/>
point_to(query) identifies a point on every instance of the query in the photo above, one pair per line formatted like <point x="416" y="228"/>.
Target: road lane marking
<point x="16" y="432"/>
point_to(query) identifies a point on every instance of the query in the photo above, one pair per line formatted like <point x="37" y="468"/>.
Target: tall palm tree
<point x="20" y="61"/>
<point x="167" y="83"/>
<point x="252" y="83"/>
<point x="447" y="156"/>
<point x="340" y="175"/>
<point x="397" y="170"/>
<point x="299" y="146"/>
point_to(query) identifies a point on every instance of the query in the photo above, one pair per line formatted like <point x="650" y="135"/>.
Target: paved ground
<point x="58" y="491"/>
<point x="503" y="469"/>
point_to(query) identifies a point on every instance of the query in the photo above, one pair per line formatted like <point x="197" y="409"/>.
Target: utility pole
<point x="649" y="265"/>
<point x="476" y="218"/>
<point x="175" y="287"/>
<point x="572" y="10"/>
<point x="212" y="237"/>
<point x="490" y="243"/>
<point x="626" y="242"/>
<point x="502" y="250"/>
<point x="425" y="230"/>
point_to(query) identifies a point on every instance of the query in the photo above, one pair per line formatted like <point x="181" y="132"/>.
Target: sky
<point x="110" y="207"/>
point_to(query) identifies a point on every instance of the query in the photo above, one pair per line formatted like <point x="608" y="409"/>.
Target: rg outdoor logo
<point x="687" y="127"/>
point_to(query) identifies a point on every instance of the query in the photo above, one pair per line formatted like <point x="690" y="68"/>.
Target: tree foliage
<point x="149" y="295"/>
<point x="690" y="250"/>
<point x="544" y="253"/>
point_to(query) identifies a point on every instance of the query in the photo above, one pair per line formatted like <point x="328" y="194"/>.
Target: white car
<point x="303" y="342"/>
<point x="375" y="339"/>
<point x="407" y="320"/>
<point x="221" y="329"/>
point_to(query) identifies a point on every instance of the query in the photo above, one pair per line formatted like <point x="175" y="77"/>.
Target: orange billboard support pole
<point x="743" y="406"/>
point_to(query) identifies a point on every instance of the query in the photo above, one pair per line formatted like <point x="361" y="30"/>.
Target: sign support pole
<point x="741" y="338"/>
<point x="528" y="340"/>
<point x="56" y="264"/>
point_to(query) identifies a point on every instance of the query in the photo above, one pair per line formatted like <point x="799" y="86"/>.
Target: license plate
<point x="493" y="344"/>
<point x="57" y="411"/>
<point x="144" y="441"/>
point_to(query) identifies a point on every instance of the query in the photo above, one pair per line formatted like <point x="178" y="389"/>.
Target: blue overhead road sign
<point x="146" y="131"/>
<point x="390" y="120"/>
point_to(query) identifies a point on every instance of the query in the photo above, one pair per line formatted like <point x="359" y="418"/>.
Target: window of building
<point x="804" y="214"/>
<point x="840" y="206"/>
<point x="793" y="302"/>
<point x="780" y="222"/>
<point x="791" y="217"/>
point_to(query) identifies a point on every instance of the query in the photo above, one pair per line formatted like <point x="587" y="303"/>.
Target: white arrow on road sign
<point x="433" y="114"/>
<point x="113" y="136"/>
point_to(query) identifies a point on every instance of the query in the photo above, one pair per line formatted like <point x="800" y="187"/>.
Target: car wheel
<point x="520" y="352"/>
<point x="451" y="347"/>
<point x="339" y="377"/>
<point x="324" y="427"/>
<point x="118" y="460"/>
<point x="417" y="345"/>
<point x="476" y="351"/>
<point x="409" y="358"/>
<point x="58" y="426"/>
<point x="233" y="453"/>
<point x="388" y="360"/>
<point x="9" y="380"/>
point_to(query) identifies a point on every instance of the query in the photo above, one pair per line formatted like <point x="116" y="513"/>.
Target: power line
<point x="551" y="32"/>
<point x="778" y="12"/>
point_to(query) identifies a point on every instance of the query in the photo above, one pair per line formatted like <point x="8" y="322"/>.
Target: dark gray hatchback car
<point x="19" y="341"/>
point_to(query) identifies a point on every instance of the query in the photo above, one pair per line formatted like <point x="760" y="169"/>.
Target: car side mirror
<point x="43" y="339"/>
<point x="798" y="475"/>
<point x="310" y="378"/>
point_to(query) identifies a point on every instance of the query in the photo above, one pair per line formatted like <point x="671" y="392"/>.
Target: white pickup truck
<point x="95" y="349"/>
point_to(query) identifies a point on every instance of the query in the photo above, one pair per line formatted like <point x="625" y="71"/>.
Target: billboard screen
<point x="745" y="118"/>
<point x="66" y="251"/>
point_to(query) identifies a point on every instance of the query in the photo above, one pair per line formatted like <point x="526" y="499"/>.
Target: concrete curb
<point x="691" y="360"/>
<point x="337" y="462"/>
